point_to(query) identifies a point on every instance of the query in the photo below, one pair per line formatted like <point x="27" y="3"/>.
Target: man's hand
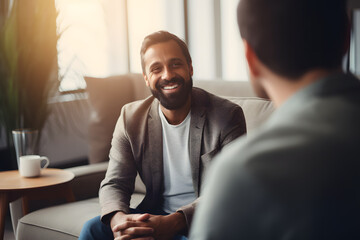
<point x="130" y="226"/>
<point x="146" y="226"/>
<point x="166" y="227"/>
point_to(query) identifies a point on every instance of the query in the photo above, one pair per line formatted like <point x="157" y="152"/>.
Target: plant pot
<point x="25" y="142"/>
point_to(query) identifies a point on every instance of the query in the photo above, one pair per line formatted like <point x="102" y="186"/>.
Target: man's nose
<point x="168" y="74"/>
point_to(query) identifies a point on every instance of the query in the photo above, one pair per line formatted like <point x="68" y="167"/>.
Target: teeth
<point x="170" y="87"/>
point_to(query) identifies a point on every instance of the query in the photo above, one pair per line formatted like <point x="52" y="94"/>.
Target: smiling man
<point x="169" y="139"/>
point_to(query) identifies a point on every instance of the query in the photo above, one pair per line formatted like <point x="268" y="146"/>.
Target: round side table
<point x="52" y="183"/>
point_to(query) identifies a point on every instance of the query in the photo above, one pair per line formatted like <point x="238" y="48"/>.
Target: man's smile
<point x="171" y="87"/>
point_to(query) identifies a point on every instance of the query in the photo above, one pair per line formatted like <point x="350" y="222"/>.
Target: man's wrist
<point x="178" y="222"/>
<point x="116" y="215"/>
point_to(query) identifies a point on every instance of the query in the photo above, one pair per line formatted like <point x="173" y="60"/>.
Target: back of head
<point x="292" y="37"/>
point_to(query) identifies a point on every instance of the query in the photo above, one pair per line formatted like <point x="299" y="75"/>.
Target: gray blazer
<point x="296" y="177"/>
<point x="137" y="147"/>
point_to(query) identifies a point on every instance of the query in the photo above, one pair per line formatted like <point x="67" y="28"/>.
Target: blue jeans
<point x="94" y="229"/>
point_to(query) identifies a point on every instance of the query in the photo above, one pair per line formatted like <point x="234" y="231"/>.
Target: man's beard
<point x="175" y="100"/>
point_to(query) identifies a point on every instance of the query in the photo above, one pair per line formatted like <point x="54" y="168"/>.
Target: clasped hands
<point x="147" y="226"/>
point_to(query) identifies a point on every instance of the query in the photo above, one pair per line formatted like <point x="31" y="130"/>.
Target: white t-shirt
<point x="179" y="189"/>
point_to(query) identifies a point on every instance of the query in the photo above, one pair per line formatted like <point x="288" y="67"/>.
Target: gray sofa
<point x="106" y="97"/>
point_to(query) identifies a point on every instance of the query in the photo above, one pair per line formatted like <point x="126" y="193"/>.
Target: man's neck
<point x="176" y="116"/>
<point x="280" y="89"/>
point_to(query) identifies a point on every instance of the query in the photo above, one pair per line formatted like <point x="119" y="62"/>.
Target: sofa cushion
<point x="58" y="222"/>
<point x="107" y="96"/>
<point x="63" y="221"/>
<point x="256" y="110"/>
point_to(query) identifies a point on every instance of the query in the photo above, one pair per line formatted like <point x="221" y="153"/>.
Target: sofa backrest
<point x="256" y="110"/>
<point x="108" y="95"/>
<point x="226" y="88"/>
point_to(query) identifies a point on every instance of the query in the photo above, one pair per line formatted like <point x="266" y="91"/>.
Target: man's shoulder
<point x="139" y="107"/>
<point x="221" y="114"/>
<point x="134" y="115"/>
<point x="211" y="101"/>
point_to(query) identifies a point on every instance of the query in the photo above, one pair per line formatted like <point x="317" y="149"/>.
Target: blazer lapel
<point x="196" y="135"/>
<point x="155" y="148"/>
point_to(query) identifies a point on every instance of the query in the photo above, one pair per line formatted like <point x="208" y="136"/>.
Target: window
<point x="148" y="16"/>
<point x="83" y="44"/>
<point x="101" y="38"/>
<point x="202" y="45"/>
<point x="214" y="40"/>
<point x="233" y="58"/>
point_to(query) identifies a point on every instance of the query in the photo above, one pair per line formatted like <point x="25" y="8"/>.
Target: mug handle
<point x="47" y="162"/>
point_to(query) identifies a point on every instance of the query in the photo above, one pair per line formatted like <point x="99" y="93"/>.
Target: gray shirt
<point x="296" y="177"/>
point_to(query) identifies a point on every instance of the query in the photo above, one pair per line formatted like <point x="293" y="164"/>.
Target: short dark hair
<point x="293" y="37"/>
<point x="162" y="36"/>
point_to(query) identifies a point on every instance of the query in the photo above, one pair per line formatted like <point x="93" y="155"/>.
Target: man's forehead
<point x="169" y="49"/>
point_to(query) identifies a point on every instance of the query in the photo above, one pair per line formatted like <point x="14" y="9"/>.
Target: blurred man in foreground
<point x="298" y="176"/>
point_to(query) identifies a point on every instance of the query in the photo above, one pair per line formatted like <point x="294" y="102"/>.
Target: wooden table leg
<point x="25" y="204"/>
<point x="4" y="203"/>
<point x="69" y="194"/>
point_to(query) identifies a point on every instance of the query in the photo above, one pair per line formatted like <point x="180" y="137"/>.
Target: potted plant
<point x="28" y="65"/>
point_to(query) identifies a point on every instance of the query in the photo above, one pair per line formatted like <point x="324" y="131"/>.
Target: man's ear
<point x="191" y="69"/>
<point x="251" y="58"/>
<point x="146" y="80"/>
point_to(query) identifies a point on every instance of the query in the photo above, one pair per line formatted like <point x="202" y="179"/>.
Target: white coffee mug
<point x="30" y="165"/>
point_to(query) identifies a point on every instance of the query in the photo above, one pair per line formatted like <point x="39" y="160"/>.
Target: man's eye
<point x="156" y="70"/>
<point x="176" y="64"/>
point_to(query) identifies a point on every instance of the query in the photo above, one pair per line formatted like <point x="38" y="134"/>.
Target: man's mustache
<point x="165" y="82"/>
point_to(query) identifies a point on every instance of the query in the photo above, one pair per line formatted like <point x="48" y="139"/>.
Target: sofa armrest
<point x="87" y="180"/>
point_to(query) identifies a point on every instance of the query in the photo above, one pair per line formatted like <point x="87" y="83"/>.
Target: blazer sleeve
<point x="235" y="128"/>
<point x="117" y="187"/>
<point x="232" y="129"/>
<point x="188" y="211"/>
